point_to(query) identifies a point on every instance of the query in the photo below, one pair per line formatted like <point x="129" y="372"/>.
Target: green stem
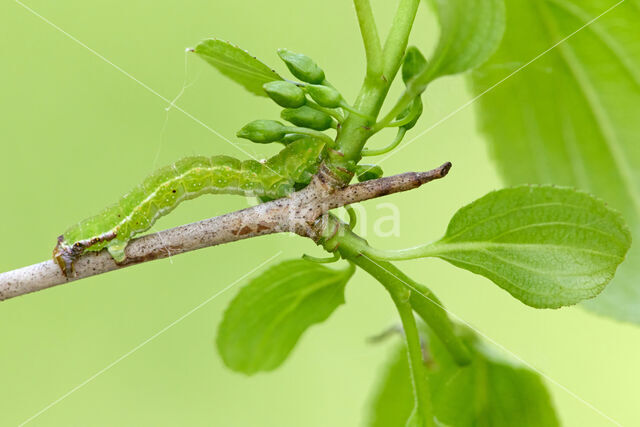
<point x="353" y="217"/>
<point x="423" y="415"/>
<point x="420" y="251"/>
<point x="345" y="106"/>
<point x="310" y="132"/>
<point x="377" y="152"/>
<point x="415" y="87"/>
<point x="396" y="43"/>
<point x="352" y="247"/>
<point x="333" y="113"/>
<point x="422" y="300"/>
<point x="415" y="111"/>
<point x="401" y="122"/>
<point x="431" y="310"/>
<point x="369" y="30"/>
<point x="335" y="257"/>
<point x="407" y="97"/>
<point x="356" y="130"/>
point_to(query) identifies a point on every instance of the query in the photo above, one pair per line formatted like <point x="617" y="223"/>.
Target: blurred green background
<point x="76" y="133"/>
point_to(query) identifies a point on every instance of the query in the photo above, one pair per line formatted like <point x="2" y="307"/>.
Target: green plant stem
<point x="415" y="110"/>
<point x="356" y="130"/>
<point x="401" y="122"/>
<point x="337" y="236"/>
<point x="431" y="310"/>
<point x="335" y="257"/>
<point x="310" y="132"/>
<point x="345" y="106"/>
<point x="396" y="43"/>
<point x="407" y="296"/>
<point x="423" y="414"/>
<point x="415" y="87"/>
<point x="379" y="151"/>
<point x="333" y="113"/>
<point x="405" y="99"/>
<point x="369" y="31"/>
<point x="420" y="251"/>
<point x="353" y="217"/>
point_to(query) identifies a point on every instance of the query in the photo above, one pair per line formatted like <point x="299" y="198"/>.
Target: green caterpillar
<point x="188" y="178"/>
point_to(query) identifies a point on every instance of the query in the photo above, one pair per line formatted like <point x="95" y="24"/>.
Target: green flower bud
<point x="325" y="96"/>
<point x="414" y="63"/>
<point x="307" y="117"/>
<point x="285" y="94"/>
<point x="302" y="66"/>
<point x="263" y="131"/>
<point x="368" y="172"/>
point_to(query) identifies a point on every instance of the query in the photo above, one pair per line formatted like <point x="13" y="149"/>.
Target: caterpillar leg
<point x="116" y="250"/>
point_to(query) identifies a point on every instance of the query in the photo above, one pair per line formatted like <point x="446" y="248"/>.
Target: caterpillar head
<point x="64" y="255"/>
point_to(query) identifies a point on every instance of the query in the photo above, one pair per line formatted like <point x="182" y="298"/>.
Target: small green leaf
<point x="488" y="392"/>
<point x="547" y="246"/>
<point x="237" y="64"/>
<point x="267" y="317"/>
<point x="471" y="31"/>
<point x="413" y="64"/>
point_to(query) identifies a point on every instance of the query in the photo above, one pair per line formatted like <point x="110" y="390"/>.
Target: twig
<point x="296" y="214"/>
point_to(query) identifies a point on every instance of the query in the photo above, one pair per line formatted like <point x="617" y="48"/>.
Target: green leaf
<point x="471" y="31"/>
<point x="393" y="400"/>
<point x="413" y="64"/>
<point x="267" y="317"/>
<point x="547" y="246"/>
<point x="570" y="117"/>
<point x="491" y="391"/>
<point x="237" y="64"/>
<point x="488" y="392"/>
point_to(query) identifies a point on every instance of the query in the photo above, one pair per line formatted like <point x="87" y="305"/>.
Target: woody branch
<point x="297" y="213"/>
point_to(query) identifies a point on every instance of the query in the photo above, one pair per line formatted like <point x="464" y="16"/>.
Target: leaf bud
<point x="302" y="66"/>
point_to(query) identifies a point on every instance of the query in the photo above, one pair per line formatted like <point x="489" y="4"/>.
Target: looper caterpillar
<point x="188" y="178"/>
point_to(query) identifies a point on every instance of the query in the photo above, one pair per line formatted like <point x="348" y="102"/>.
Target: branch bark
<point x="297" y="213"/>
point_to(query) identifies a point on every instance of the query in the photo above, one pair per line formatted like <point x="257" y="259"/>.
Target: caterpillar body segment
<point x="188" y="178"/>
